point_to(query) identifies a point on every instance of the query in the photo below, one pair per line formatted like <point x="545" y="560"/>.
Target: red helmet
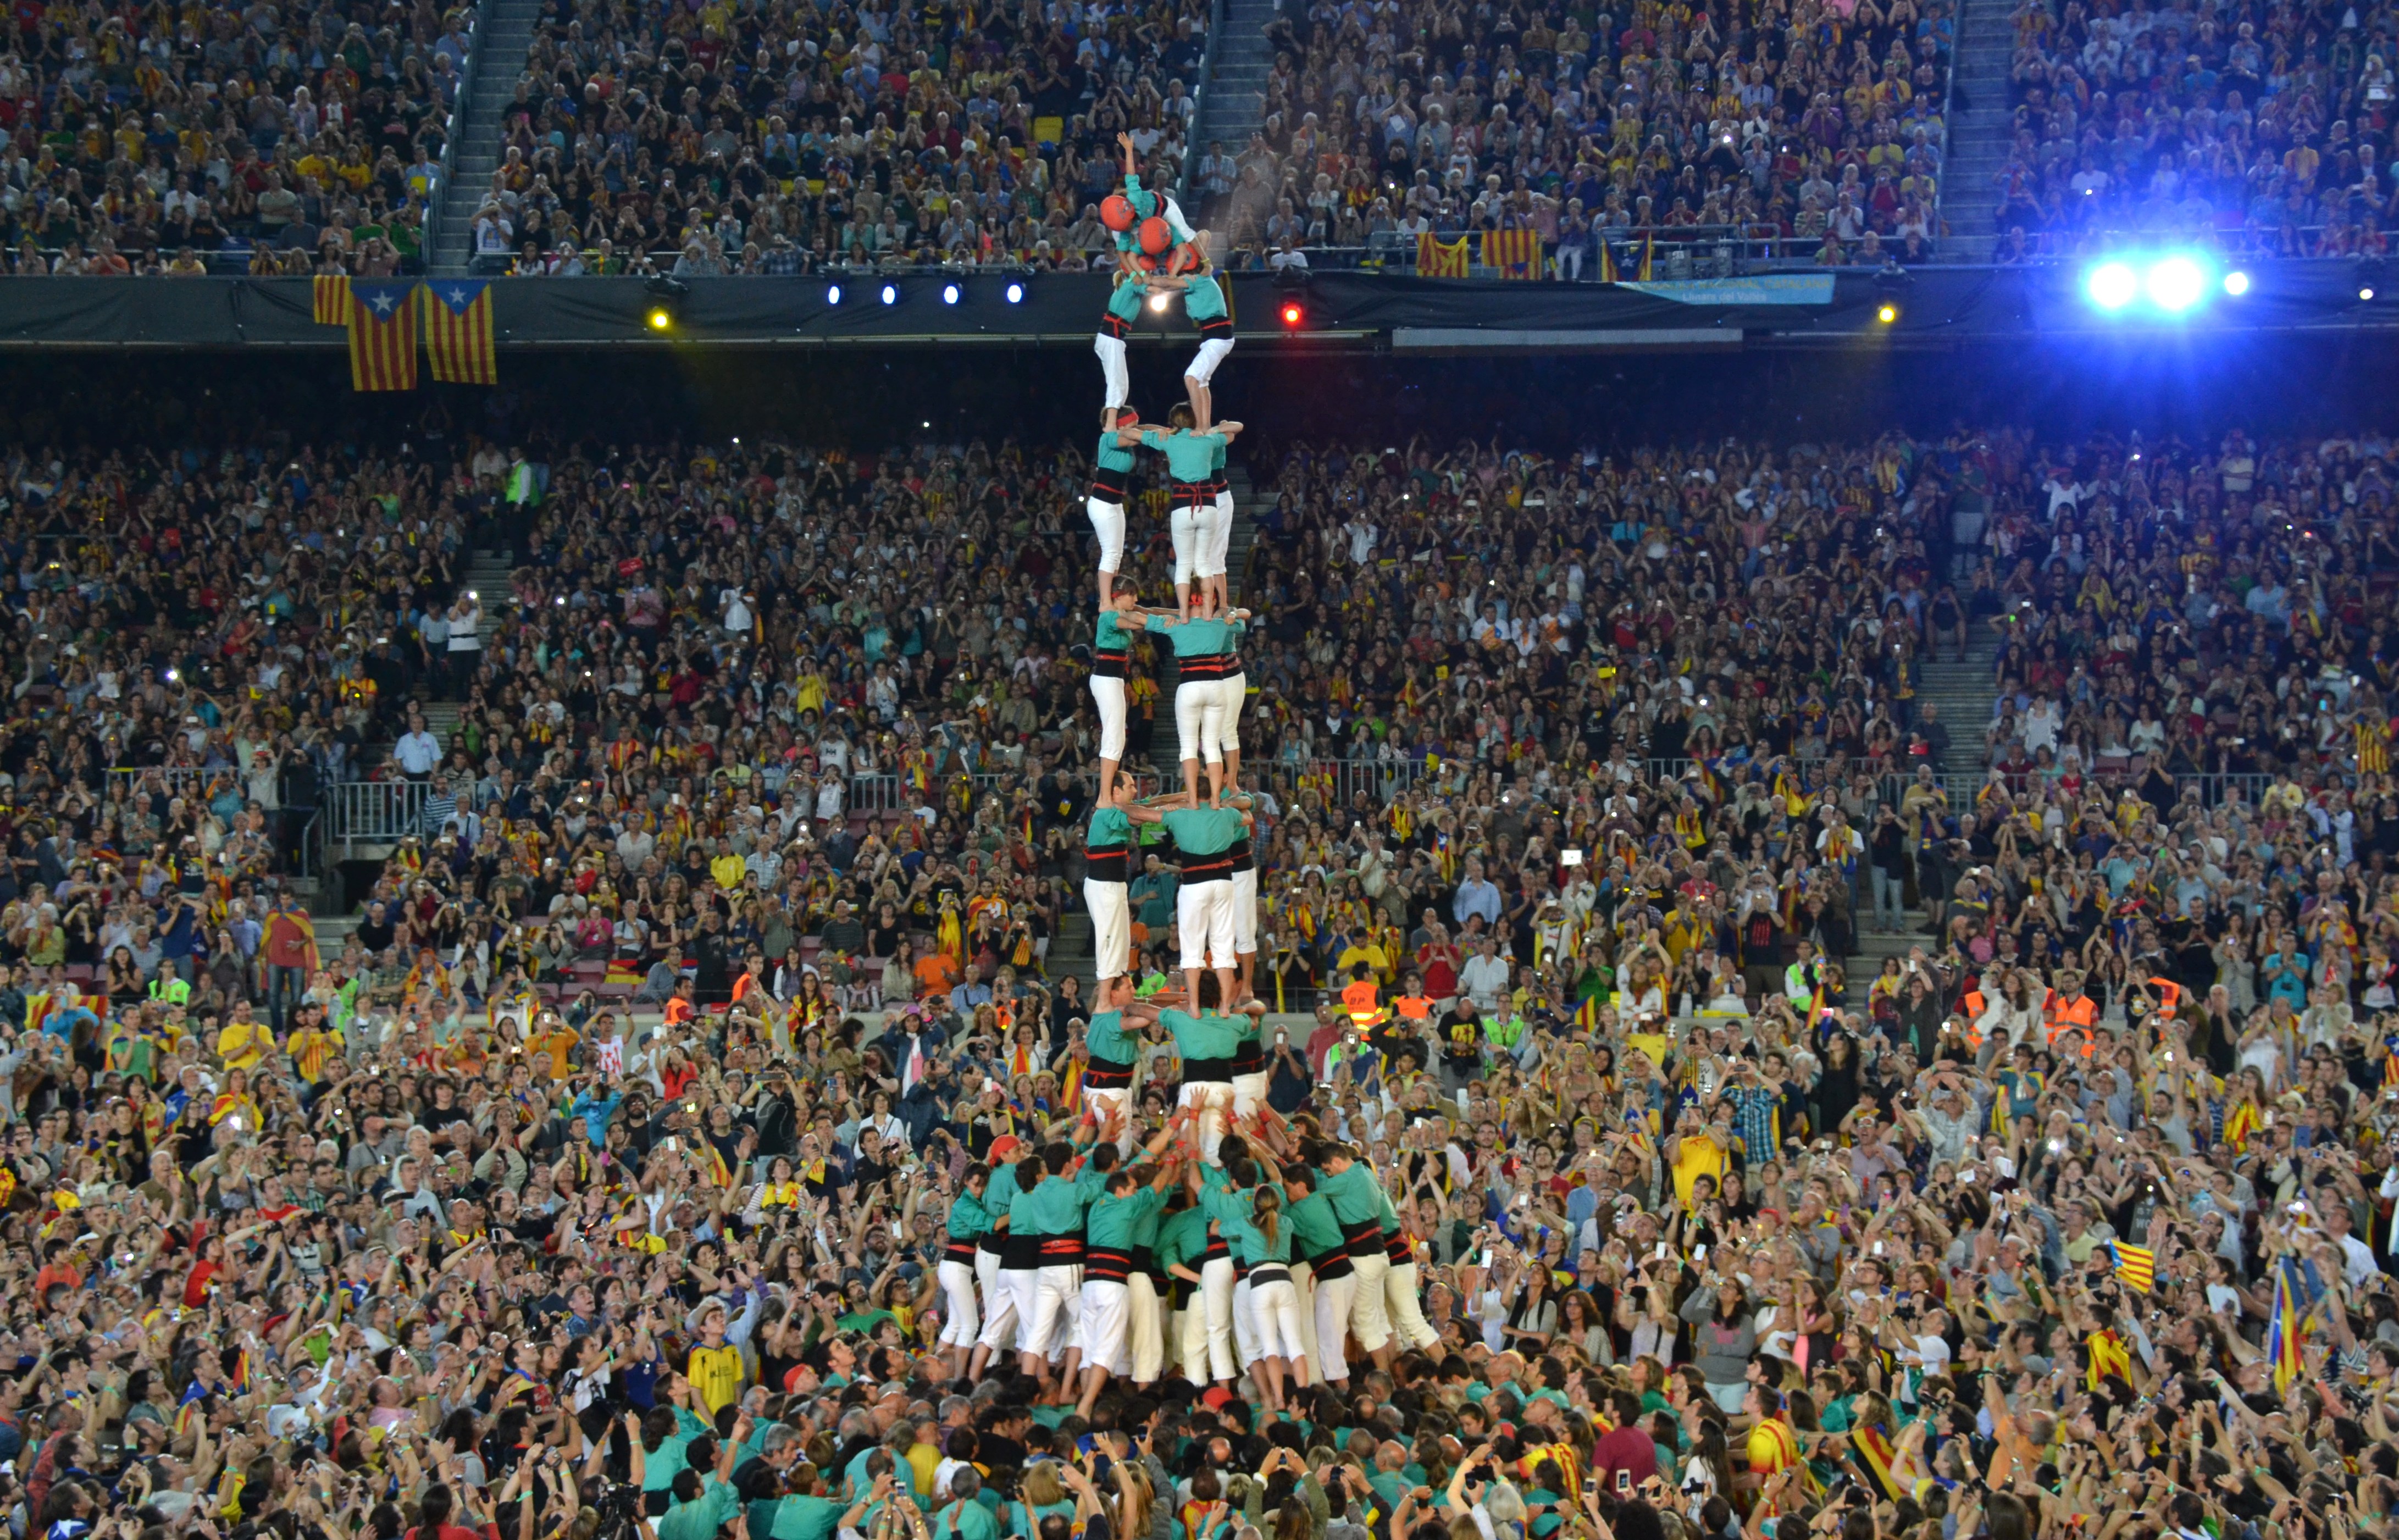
<point x="1115" y="212"/>
<point x="1154" y="236"/>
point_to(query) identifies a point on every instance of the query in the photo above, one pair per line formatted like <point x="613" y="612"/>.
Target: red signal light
<point x="1291" y="315"/>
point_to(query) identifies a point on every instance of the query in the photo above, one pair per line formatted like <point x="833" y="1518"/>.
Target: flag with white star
<point x="383" y="334"/>
<point x="458" y="332"/>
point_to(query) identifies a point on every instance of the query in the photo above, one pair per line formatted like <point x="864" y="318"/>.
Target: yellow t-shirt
<point x="557" y="1045"/>
<point x="242" y="1044"/>
<point x="715" y="1373"/>
<point x="1695" y="1157"/>
<point x="309" y="1050"/>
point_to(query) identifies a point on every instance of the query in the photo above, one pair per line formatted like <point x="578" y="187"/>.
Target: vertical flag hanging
<point x="2284" y="1331"/>
<point x="383" y="335"/>
<point x="1440" y="259"/>
<point x="458" y="332"/>
<point x="332" y="300"/>
<point x="1608" y="272"/>
<point x="1649" y="253"/>
<point x="1512" y="253"/>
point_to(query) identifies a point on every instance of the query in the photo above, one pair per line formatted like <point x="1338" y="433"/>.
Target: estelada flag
<point x="2137" y="1267"/>
<point x="1608" y="272"/>
<point x="1876" y="1458"/>
<point x="1648" y="256"/>
<point x="1512" y="253"/>
<point x="458" y="332"/>
<point x="1436" y="259"/>
<point x="332" y="300"/>
<point x="383" y="335"/>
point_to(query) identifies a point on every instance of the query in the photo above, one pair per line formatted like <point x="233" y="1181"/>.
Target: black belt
<point x="992" y="1243"/>
<point x="1270" y="1272"/>
<point x="1216" y="326"/>
<point x="1206" y="666"/>
<point x="1103" y="1074"/>
<point x="1363" y="1239"/>
<point x="1329" y="1264"/>
<point x="1116" y="325"/>
<point x="1108" y="863"/>
<point x="1214" y="1069"/>
<point x="1399" y="1247"/>
<point x="960" y="1250"/>
<point x="1242" y="860"/>
<point x="1109" y="665"/>
<point x="1206" y="869"/>
<point x="1192" y="493"/>
<point x="1061" y="1251"/>
<point x="1251" y="1059"/>
<point x="1106" y="491"/>
<point x="1216" y="1248"/>
<point x="1021" y="1253"/>
<point x="1106" y="1265"/>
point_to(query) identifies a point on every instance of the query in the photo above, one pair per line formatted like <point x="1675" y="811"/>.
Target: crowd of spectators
<point x="2082" y="1209"/>
<point x="790" y="135"/>
<point x="1818" y="129"/>
<point x="156" y="141"/>
<point x="2252" y="127"/>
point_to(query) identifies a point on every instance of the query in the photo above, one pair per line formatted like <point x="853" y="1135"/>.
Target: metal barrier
<point x="374" y="812"/>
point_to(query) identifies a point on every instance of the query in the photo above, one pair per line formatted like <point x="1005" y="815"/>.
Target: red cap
<point x="1005" y="1145"/>
<point x="1216" y="1397"/>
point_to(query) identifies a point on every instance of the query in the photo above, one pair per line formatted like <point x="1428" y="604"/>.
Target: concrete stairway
<point x="1070" y="949"/>
<point x="498" y="64"/>
<point x="1231" y="100"/>
<point x="1964" y="692"/>
<point x="1979" y="132"/>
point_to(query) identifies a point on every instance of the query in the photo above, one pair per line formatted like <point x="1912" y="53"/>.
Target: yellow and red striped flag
<point x="1512" y="253"/>
<point x="2107" y="1356"/>
<point x="383" y="335"/>
<point x="2137" y="1267"/>
<point x="458" y="332"/>
<point x="1608" y="272"/>
<point x="332" y="300"/>
<point x="1649" y="255"/>
<point x="2284" y="1331"/>
<point x="1440" y="259"/>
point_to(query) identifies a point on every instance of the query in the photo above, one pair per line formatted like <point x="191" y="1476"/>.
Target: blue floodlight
<point x="2175" y="284"/>
<point x="950" y="294"/>
<point x="833" y="295"/>
<point x="2236" y="284"/>
<point x="2111" y="286"/>
<point x="891" y="293"/>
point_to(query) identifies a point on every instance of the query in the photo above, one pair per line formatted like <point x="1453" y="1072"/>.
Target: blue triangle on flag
<point x="457" y="294"/>
<point x="383" y="301"/>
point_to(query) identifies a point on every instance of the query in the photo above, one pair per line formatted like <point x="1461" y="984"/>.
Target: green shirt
<point x="1114" y="1223"/>
<point x="1189" y="456"/>
<point x="1204" y="832"/>
<point x="1206" y="1036"/>
<point x="795" y="1519"/>
<point x="1354" y="1194"/>
<point x="698" y="1519"/>
<point x="966" y="1521"/>
<point x="1115" y="454"/>
<point x="1124" y="304"/>
<point x="1231" y="1210"/>
<point x="1182" y="1236"/>
<point x="1312" y="1223"/>
<point x="1108" y="825"/>
<point x="1105" y="1035"/>
<point x="969" y="1218"/>
<point x="1199" y="637"/>
<point x="1055" y="1207"/>
<point x="662" y="1464"/>
<point x="1203" y="299"/>
<point x="1109" y="636"/>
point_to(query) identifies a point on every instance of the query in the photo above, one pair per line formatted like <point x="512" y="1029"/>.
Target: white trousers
<point x="1008" y="1310"/>
<point x="1057" y="1296"/>
<point x="1368" y="1321"/>
<point x="1112" y="368"/>
<point x="1203" y="363"/>
<point x="1203" y="914"/>
<point x="1107" y="1326"/>
<point x="1212" y="1099"/>
<point x="1105" y="1101"/>
<point x="1208" y="717"/>
<point x="959" y="1292"/>
<point x="1184" y="526"/>
<point x="1109" y="695"/>
<point x="986" y="1271"/>
<point x="1214" y="533"/>
<point x="1249" y="1094"/>
<point x="1405" y="1309"/>
<point x="1246" y="1344"/>
<point x="1208" y="1325"/>
<point x="1334" y="1298"/>
<point x="1147" y="1343"/>
<point x="1303" y="1283"/>
<point x="1108" y="524"/>
<point x="1111" y="909"/>
<point x="1274" y="1312"/>
<point x="1245" y="911"/>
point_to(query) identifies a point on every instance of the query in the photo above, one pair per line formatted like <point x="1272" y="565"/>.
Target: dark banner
<point x="1928" y="306"/>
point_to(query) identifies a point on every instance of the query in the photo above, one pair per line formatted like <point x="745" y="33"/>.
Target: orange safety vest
<point x="1413" y="1007"/>
<point x="1972" y="1008"/>
<point x="2169" y="997"/>
<point x="1358" y="999"/>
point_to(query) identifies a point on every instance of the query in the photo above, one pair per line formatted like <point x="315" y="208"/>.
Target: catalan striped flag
<point x="383" y="335"/>
<point x="2105" y="1356"/>
<point x="458" y="332"/>
<point x="1512" y="253"/>
<point x="1607" y="270"/>
<point x="1649" y="255"/>
<point x="2137" y="1267"/>
<point x="332" y="300"/>
<point x="1587" y="1013"/>
<point x="1440" y="259"/>
<point x="1879" y="1460"/>
<point x="1772" y="1446"/>
<point x="2285" y="1332"/>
